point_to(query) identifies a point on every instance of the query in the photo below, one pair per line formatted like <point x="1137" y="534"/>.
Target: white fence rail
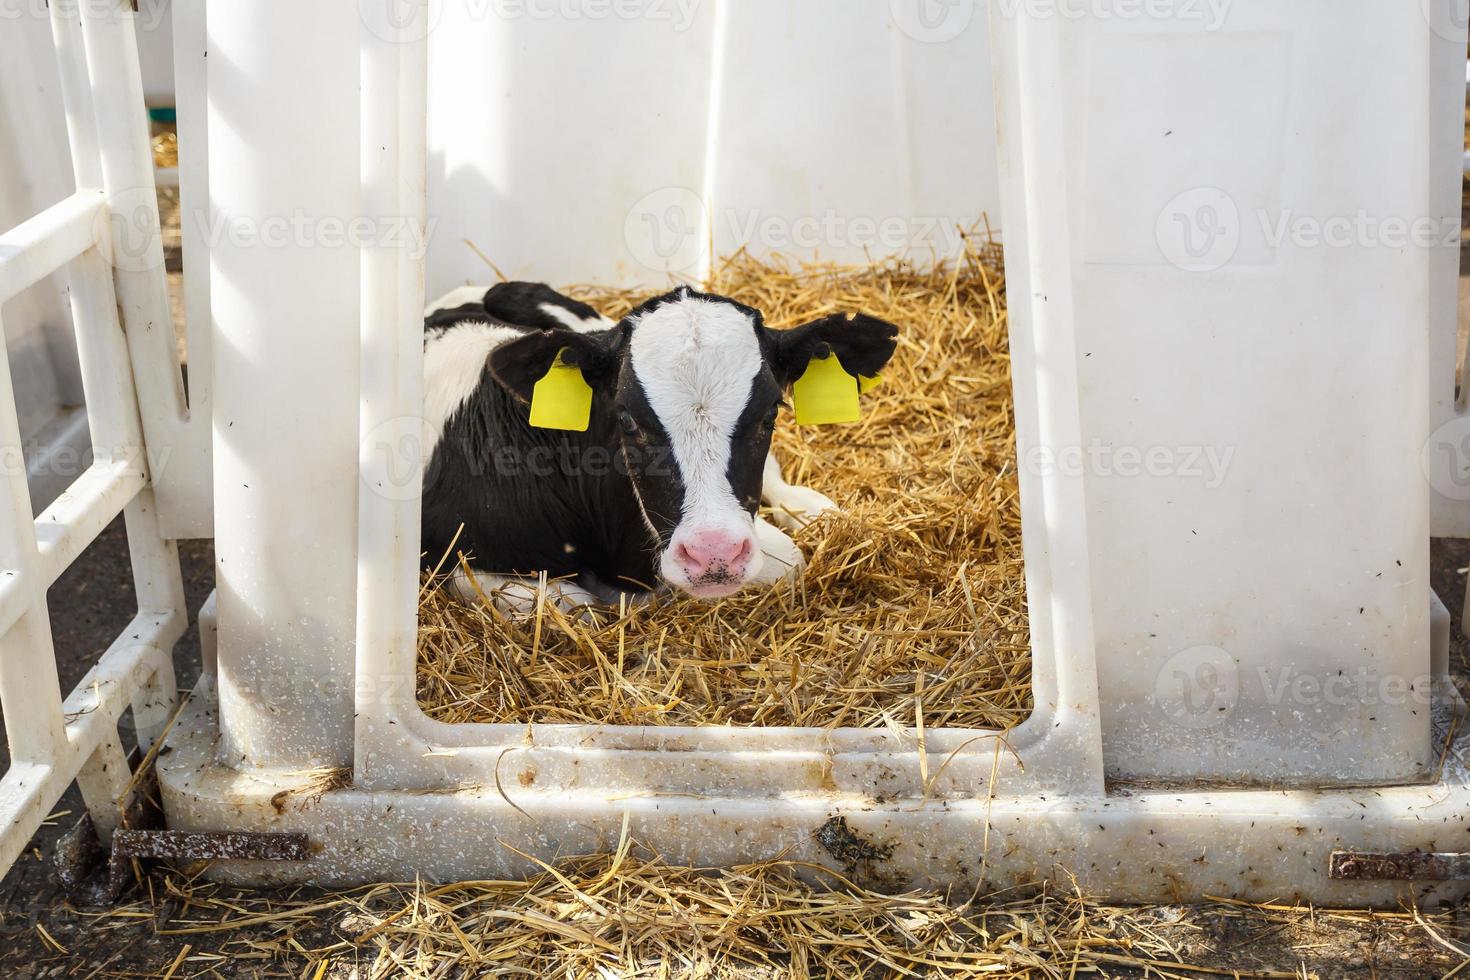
<point x="105" y="239"/>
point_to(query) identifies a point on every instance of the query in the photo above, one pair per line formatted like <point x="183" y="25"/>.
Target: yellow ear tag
<point x="825" y="394"/>
<point x="867" y="384"/>
<point x="562" y="399"/>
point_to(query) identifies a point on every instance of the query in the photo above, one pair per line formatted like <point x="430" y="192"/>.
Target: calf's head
<point x="691" y="385"/>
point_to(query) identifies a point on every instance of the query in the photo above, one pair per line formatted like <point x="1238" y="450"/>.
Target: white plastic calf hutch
<point x="1240" y="682"/>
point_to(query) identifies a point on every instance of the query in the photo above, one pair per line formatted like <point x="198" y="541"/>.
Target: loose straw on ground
<point x="630" y="915"/>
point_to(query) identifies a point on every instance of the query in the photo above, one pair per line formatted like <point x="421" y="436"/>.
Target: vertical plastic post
<point x="1048" y="413"/>
<point x="394" y="123"/>
<point x="284" y="190"/>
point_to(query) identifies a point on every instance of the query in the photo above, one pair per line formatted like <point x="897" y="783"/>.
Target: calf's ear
<point x="519" y="364"/>
<point x="863" y="344"/>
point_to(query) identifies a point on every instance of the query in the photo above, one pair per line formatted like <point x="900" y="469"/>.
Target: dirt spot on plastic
<point x="849" y="847"/>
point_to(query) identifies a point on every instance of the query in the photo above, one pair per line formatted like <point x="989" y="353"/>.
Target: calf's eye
<point x="629" y="424"/>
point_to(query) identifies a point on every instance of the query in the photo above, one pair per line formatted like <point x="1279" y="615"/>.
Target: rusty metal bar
<point x="1410" y="866"/>
<point x="188" y="845"/>
<point x="95" y="874"/>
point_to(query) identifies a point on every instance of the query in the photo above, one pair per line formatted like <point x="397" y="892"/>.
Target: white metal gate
<point x="105" y="238"/>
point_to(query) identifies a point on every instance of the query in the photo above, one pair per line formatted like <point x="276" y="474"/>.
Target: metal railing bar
<point x="76" y="93"/>
<point x="29" y="788"/>
<point x="36" y="248"/>
<point x="84" y="509"/>
<point x="100" y="698"/>
<point x="26" y="793"/>
<point x="30" y="691"/>
<point x="66" y="528"/>
<point x="137" y="245"/>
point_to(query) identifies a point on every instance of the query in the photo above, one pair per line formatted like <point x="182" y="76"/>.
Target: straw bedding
<point x="912" y="603"/>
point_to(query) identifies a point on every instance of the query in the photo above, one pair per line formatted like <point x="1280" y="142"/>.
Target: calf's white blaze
<point x="696" y="361"/>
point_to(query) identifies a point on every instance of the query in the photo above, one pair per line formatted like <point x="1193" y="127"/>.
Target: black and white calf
<point x="664" y="485"/>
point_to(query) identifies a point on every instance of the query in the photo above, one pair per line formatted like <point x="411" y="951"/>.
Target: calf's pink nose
<point x="705" y="552"/>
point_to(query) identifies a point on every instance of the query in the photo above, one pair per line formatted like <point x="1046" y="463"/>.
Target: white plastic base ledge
<point x="1131" y="844"/>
